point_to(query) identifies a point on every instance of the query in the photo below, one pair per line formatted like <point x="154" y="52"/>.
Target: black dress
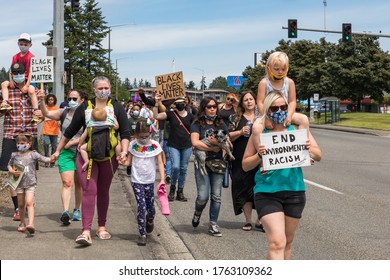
<point x="242" y="182"/>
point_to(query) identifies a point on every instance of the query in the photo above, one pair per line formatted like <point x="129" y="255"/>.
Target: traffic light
<point x="75" y="5"/>
<point x="292" y="28"/>
<point x="347" y="32"/>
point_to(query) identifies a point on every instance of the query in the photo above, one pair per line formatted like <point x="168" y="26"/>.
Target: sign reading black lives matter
<point x="42" y="69"/>
<point x="285" y="149"/>
<point x="171" y="85"/>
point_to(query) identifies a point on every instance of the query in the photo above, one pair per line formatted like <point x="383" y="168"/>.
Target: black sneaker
<point x="65" y="218"/>
<point x="149" y="225"/>
<point x="171" y="195"/>
<point x="214" y="230"/>
<point x="196" y="220"/>
<point x="168" y="180"/>
<point x="180" y="195"/>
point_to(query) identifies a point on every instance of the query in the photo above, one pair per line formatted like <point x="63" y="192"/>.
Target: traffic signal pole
<point x="340" y="32"/>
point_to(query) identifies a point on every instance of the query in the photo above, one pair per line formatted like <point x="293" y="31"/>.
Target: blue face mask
<point x="18" y="78"/>
<point x="278" y="117"/>
<point x="102" y="94"/>
<point x="135" y="113"/>
<point x="73" y="104"/>
<point x="22" y="148"/>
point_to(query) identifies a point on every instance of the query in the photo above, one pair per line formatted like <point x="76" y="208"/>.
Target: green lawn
<point x="363" y="120"/>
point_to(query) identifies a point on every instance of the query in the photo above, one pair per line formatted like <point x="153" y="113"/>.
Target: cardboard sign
<point x="171" y="85"/>
<point x="42" y="69"/>
<point x="285" y="149"/>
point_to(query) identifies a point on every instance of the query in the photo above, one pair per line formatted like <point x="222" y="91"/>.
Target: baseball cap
<point x="25" y="36"/>
<point x="17" y="68"/>
<point x="179" y="100"/>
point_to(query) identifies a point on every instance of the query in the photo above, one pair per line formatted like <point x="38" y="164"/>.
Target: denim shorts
<point x="291" y="203"/>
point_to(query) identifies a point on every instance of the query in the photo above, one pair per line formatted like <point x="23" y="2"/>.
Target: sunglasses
<point x="101" y="88"/>
<point x="16" y="72"/>
<point x="72" y="98"/>
<point x="230" y="99"/>
<point x="274" y="109"/>
<point x="211" y="106"/>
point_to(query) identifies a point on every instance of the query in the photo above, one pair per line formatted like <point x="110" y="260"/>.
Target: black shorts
<point x="288" y="202"/>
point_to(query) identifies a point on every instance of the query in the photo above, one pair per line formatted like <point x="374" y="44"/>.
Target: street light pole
<point x="109" y="43"/>
<point x="202" y="85"/>
<point x="117" y="78"/>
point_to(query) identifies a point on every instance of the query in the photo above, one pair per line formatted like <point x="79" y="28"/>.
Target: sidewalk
<point x="53" y="241"/>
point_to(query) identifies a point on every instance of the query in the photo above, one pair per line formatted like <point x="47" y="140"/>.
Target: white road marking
<point x="321" y="186"/>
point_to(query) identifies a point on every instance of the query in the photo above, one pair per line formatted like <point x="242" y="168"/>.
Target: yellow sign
<point x="171" y="85"/>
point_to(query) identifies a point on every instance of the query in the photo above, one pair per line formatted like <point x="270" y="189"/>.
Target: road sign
<point x="316" y="97"/>
<point x="235" y="81"/>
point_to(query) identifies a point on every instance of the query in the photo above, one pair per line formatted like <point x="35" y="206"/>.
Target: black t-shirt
<point x="178" y="136"/>
<point x="195" y="127"/>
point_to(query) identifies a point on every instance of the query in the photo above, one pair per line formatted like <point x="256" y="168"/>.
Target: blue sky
<point x="214" y="37"/>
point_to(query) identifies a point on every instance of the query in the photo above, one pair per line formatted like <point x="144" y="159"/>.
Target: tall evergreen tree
<point x="85" y="56"/>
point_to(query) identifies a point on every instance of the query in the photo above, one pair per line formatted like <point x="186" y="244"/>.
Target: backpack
<point x="102" y="139"/>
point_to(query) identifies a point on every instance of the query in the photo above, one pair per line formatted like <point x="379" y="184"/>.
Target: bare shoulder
<point x="258" y="126"/>
<point x="291" y="81"/>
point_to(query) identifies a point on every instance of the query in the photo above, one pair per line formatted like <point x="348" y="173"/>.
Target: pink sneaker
<point x="162" y="196"/>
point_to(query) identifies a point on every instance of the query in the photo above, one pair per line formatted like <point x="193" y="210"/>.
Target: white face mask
<point x="73" y="104"/>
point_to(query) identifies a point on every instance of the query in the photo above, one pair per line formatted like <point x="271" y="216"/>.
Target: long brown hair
<point x="200" y="117"/>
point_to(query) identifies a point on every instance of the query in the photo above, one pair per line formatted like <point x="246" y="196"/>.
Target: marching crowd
<point x="150" y="134"/>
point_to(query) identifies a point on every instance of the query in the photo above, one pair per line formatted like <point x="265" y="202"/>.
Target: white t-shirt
<point x="143" y="166"/>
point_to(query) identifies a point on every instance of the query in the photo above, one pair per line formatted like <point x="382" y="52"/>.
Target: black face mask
<point x="180" y="107"/>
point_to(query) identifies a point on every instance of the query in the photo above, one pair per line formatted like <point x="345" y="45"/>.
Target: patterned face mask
<point x="22" y="148"/>
<point x="278" y="117"/>
<point x="102" y="94"/>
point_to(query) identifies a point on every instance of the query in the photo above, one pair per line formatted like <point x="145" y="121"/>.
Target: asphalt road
<point x="346" y="216"/>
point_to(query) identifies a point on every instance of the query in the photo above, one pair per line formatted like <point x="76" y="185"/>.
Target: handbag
<point x="217" y="165"/>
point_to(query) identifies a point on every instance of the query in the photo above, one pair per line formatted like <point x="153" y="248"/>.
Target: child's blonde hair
<point x="99" y="115"/>
<point x="276" y="59"/>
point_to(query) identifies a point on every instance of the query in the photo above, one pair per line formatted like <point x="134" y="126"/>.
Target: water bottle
<point x="248" y="123"/>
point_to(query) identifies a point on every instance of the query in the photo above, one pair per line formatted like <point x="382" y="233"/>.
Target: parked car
<point x="344" y="110"/>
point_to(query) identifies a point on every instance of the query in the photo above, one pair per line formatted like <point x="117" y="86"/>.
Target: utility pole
<point x="58" y="46"/>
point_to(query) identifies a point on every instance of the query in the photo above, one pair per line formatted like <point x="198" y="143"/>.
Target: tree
<point x="190" y="85"/>
<point x="3" y="75"/>
<point x="221" y="83"/>
<point x="85" y="57"/>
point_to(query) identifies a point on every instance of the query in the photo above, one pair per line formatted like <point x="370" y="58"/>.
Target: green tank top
<point x="288" y="179"/>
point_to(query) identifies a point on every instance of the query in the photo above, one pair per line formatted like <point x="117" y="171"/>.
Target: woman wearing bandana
<point x="279" y="195"/>
<point x="209" y="186"/>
